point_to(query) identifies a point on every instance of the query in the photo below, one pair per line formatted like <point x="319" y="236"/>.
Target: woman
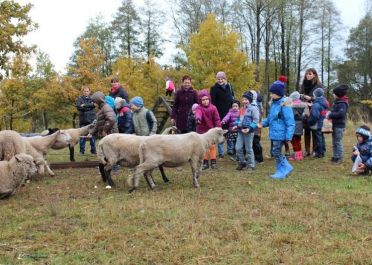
<point x="183" y="101"/>
<point x="309" y="84"/>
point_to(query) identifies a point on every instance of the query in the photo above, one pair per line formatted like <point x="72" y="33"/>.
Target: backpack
<point x="149" y="120"/>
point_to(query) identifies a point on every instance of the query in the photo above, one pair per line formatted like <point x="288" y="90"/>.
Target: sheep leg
<point x="140" y="170"/>
<point x="165" y="179"/>
<point x="5" y="194"/>
<point x="72" y="153"/>
<point x="149" y="180"/>
<point x="102" y="171"/>
<point x="195" y="173"/>
<point x="50" y="172"/>
<point x="109" y="179"/>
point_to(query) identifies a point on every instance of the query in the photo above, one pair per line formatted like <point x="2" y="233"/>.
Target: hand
<point x="246" y="130"/>
<point x="82" y="105"/>
<point x="89" y="135"/>
<point x="121" y="114"/>
<point x="198" y="121"/>
<point x="259" y="125"/>
<point x="361" y="167"/>
<point x="173" y="122"/>
<point x="327" y="114"/>
<point x="234" y="128"/>
<point x="356" y="152"/>
<point x="306" y="97"/>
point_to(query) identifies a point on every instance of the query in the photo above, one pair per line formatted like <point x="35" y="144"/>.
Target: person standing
<point x="222" y="96"/>
<point x="183" y="101"/>
<point x="169" y="87"/>
<point x="309" y="84"/>
<point x="117" y="90"/>
<point x="87" y="115"/>
<point x="144" y="121"/>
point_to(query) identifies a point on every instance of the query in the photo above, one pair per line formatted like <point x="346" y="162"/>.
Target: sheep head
<point x="28" y="163"/>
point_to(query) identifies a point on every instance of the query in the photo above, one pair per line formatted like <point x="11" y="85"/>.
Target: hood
<point x="203" y="93"/>
<point x="321" y="101"/>
<point x="98" y="98"/>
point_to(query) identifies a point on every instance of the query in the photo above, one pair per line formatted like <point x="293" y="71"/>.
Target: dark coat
<point x="222" y="98"/>
<point x="106" y="118"/>
<point x="191" y="122"/>
<point x="120" y="92"/>
<point x="125" y="121"/>
<point x="338" y="112"/>
<point x="365" y="150"/>
<point x="183" y="101"/>
<point x="86" y="113"/>
<point x="315" y="120"/>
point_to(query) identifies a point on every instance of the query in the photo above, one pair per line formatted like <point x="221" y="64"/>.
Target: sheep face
<point x="28" y="164"/>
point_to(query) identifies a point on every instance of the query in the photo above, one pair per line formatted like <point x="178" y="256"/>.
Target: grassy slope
<point x="319" y="215"/>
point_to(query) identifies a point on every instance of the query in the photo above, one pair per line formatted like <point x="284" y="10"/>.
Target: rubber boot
<point x="300" y="156"/>
<point x="286" y="167"/>
<point x="213" y="164"/>
<point x="205" y="164"/>
<point x="278" y="174"/>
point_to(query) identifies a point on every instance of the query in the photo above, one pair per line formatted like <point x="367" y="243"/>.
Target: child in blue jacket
<point x="281" y="125"/>
<point x="363" y="149"/>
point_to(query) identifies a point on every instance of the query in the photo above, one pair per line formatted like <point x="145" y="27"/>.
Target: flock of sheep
<point x="23" y="157"/>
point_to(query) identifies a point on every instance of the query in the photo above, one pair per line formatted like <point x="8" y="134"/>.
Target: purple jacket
<point x="206" y="117"/>
<point x="183" y="101"/>
<point x="230" y="118"/>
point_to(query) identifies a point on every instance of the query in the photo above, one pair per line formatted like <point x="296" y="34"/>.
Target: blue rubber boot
<point x="286" y="168"/>
<point x="279" y="171"/>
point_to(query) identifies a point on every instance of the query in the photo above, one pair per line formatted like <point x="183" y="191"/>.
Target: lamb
<point x="174" y="151"/>
<point x="14" y="172"/>
<point x="122" y="148"/>
<point x="75" y="135"/>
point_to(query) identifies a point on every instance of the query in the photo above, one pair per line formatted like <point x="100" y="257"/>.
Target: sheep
<point x="122" y="148"/>
<point x="75" y="135"/>
<point x="10" y="144"/>
<point x="14" y="172"/>
<point x="173" y="151"/>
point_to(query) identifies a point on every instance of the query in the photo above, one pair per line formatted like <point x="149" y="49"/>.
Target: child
<point x="363" y="149"/>
<point x="338" y="115"/>
<point x="191" y="123"/>
<point x="300" y="110"/>
<point x="169" y="87"/>
<point x="144" y="120"/>
<point x="229" y="120"/>
<point x="315" y="121"/>
<point x="207" y="117"/>
<point x="281" y="128"/>
<point x="125" y="123"/>
<point x="247" y="122"/>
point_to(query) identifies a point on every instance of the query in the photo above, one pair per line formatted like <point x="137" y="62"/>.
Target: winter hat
<point x="194" y="106"/>
<point x="277" y="88"/>
<point x="319" y="92"/>
<point x="137" y="101"/>
<point x="295" y="95"/>
<point x="221" y="75"/>
<point x="363" y="131"/>
<point x="118" y="102"/>
<point x="340" y="90"/>
<point x="248" y="95"/>
<point x="235" y="102"/>
<point x="283" y="79"/>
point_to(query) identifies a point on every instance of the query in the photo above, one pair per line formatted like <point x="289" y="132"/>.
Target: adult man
<point x="87" y="115"/>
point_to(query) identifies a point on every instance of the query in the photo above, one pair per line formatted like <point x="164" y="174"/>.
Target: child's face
<point x="359" y="138"/>
<point x="235" y="106"/>
<point x="334" y="96"/>
<point x="274" y="96"/>
<point x="134" y="107"/>
<point x="205" y="101"/>
<point x="245" y="101"/>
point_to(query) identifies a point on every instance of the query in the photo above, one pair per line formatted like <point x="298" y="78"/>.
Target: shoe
<point x="82" y="153"/>
<point x="250" y="169"/>
<point x="221" y="156"/>
<point x="337" y="161"/>
<point x="93" y="152"/>
<point x="240" y="166"/>
<point x="205" y="164"/>
<point x="233" y="158"/>
<point x="213" y="164"/>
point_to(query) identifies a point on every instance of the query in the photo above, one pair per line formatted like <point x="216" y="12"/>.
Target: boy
<point x="281" y="128"/>
<point x="363" y="149"/>
<point x="247" y="123"/>
<point x="338" y="116"/>
<point x="144" y="120"/>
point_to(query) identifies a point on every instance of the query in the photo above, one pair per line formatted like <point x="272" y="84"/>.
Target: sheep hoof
<point x="132" y="190"/>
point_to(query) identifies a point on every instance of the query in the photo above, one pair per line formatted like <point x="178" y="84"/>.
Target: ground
<point x="321" y="214"/>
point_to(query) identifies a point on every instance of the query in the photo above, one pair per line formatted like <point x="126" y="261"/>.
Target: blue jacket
<point x="365" y="150"/>
<point x="280" y="120"/>
<point x="315" y="120"/>
<point x="338" y="112"/>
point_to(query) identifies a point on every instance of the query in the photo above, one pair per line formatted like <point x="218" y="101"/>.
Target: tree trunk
<point x="45" y="120"/>
<point x="301" y="28"/>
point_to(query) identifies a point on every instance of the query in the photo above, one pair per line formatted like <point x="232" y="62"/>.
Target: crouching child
<point x="363" y="149"/>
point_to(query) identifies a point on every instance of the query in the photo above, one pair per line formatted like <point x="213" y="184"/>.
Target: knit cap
<point x="319" y="92"/>
<point x="248" y="95"/>
<point x="295" y="95"/>
<point x="221" y="75"/>
<point x="363" y="131"/>
<point x="340" y="90"/>
<point x="137" y="101"/>
<point x="118" y="102"/>
<point x="277" y="88"/>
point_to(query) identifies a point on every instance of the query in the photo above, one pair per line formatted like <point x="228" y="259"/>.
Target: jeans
<point x="245" y="140"/>
<point x="277" y="150"/>
<point x="320" y="142"/>
<point x="221" y="149"/>
<point x="338" y="148"/>
<point x="92" y="145"/>
<point x="230" y="147"/>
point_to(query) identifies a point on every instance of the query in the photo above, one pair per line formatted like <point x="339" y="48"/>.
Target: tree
<point x="216" y="48"/>
<point x="125" y="28"/>
<point x="14" y="24"/>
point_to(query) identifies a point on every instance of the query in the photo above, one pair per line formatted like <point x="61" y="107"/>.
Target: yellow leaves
<point x="367" y="102"/>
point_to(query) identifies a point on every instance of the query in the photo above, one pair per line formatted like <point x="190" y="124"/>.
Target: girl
<point x="229" y="120"/>
<point x="207" y="117"/>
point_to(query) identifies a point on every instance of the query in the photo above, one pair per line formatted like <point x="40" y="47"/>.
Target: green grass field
<point x="321" y="214"/>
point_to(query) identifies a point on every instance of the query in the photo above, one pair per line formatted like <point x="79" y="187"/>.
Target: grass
<point x="319" y="215"/>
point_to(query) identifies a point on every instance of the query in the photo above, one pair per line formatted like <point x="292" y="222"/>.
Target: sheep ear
<point x="18" y="158"/>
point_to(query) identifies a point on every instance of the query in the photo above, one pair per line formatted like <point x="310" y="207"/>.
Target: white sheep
<point x="123" y="148"/>
<point x="14" y="172"/>
<point x="10" y="144"/>
<point x="174" y="151"/>
<point x="74" y="134"/>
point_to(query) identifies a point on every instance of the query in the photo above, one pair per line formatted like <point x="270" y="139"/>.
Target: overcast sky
<point x="61" y="22"/>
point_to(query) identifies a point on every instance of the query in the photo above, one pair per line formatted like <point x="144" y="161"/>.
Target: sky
<point x="62" y="22"/>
